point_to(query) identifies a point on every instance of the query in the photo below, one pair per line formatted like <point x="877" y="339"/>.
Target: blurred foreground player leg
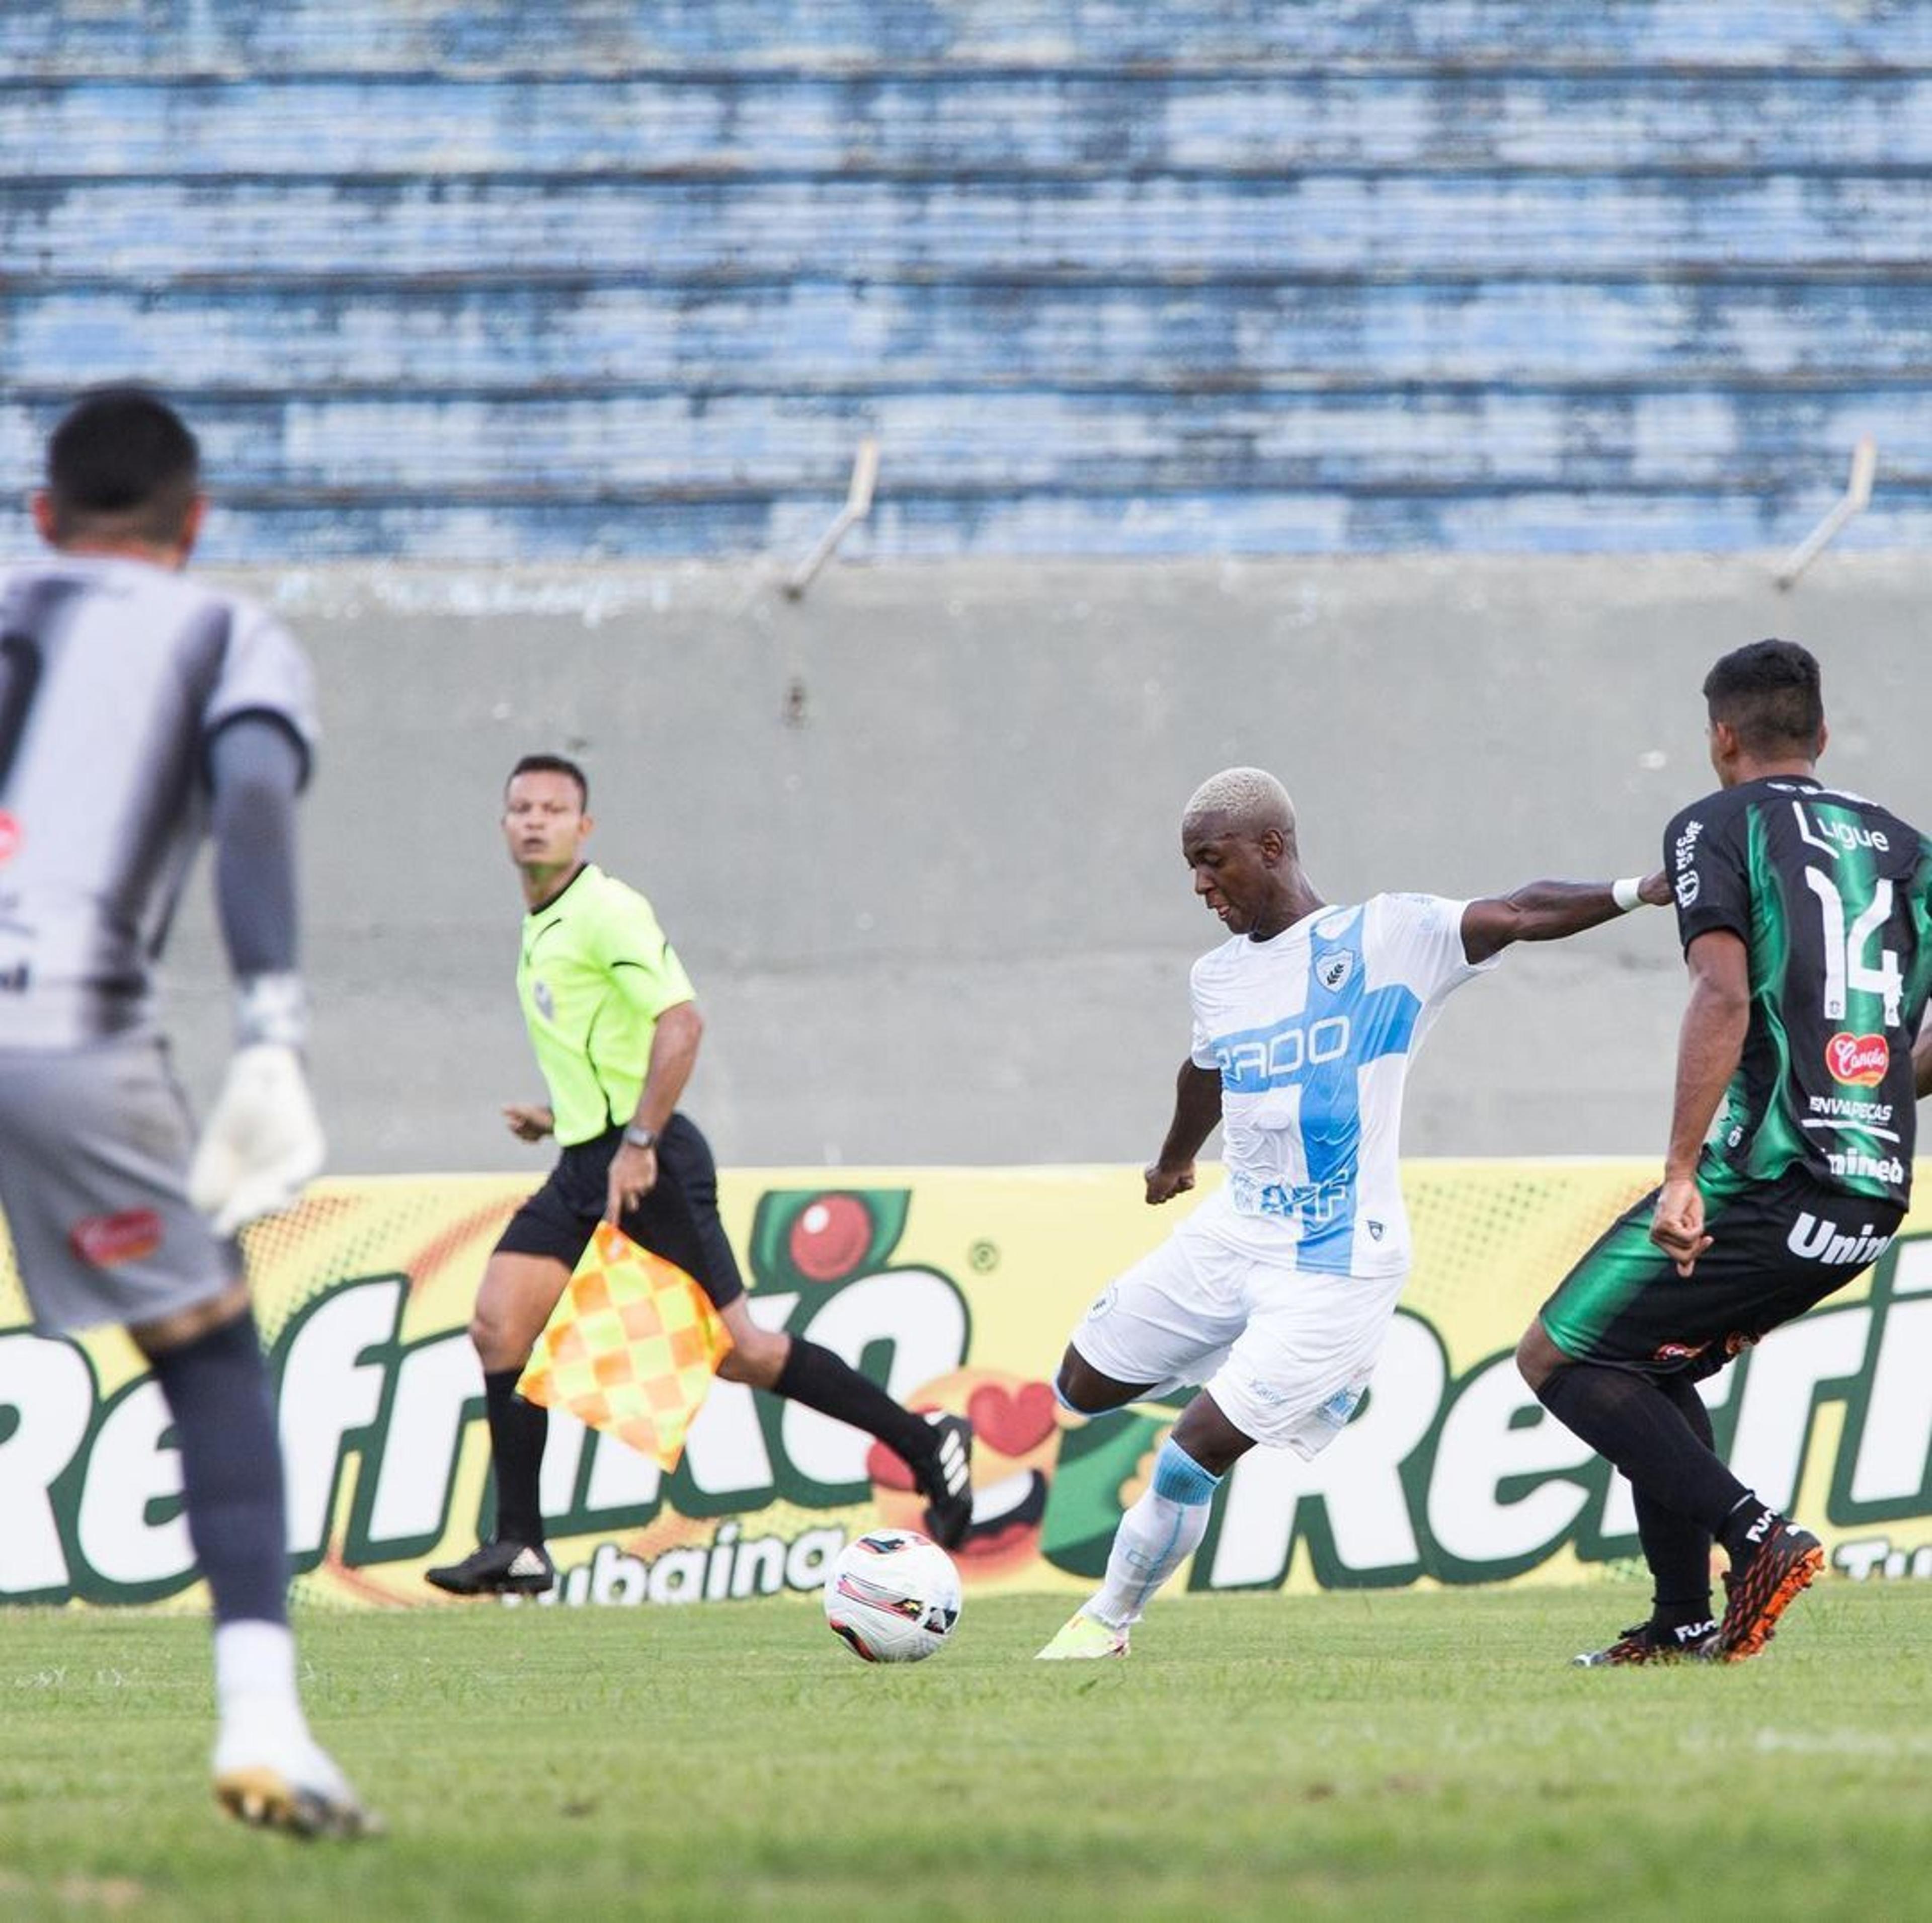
<point x="613" y="1020"/>
<point x="138" y="711"/>
<point x="1806" y="917"/>
<point x="1276" y="1293"/>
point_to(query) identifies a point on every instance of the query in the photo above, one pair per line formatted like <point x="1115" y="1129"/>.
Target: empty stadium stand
<point x="630" y="278"/>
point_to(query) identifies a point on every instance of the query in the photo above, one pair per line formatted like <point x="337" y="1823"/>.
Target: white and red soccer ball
<point x="893" y="1596"/>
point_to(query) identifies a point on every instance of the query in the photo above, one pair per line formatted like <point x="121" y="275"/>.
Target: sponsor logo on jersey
<point x="105" y="1241"/>
<point x="1814" y="1239"/>
<point x="1833" y="834"/>
<point x="1861" y="1060"/>
<point x="1684" y="854"/>
<point x="1848" y="1109"/>
<point x="10" y="836"/>
<point x="1333" y="971"/>
<point x="1886" y="1168"/>
<point x="1314" y="1205"/>
<point x="15" y="980"/>
<point x="1251" y="1064"/>
<point x="546" y="1002"/>
<point x="1680" y="1351"/>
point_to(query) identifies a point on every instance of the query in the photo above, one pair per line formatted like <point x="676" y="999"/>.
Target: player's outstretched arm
<point x="1548" y="910"/>
<point x="1197" y="1111"/>
<point x="263" y="1140"/>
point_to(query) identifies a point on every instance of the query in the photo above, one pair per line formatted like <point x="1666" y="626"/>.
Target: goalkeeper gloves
<point x="263" y="1140"/>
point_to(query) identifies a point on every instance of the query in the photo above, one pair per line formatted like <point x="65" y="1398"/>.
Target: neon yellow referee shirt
<point x="594" y="974"/>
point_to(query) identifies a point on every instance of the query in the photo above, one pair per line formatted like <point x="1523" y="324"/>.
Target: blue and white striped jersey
<point x="1312" y="1033"/>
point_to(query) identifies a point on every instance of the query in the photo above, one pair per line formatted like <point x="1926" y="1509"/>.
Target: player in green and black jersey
<point x="1806" y="915"/>
<point x="614" y="1022"/>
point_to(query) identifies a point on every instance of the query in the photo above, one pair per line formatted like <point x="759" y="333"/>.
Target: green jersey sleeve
<point x="644" y="968"/>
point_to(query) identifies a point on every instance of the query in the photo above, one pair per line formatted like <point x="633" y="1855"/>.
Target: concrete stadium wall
<point x="916" y="835"/>
<point x="630" y="278"/>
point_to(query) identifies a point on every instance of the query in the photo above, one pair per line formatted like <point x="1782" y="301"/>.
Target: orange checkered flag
<point x="631" y="1348"/>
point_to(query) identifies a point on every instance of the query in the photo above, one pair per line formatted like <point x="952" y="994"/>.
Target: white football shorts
<point x="1285" y="1353"/>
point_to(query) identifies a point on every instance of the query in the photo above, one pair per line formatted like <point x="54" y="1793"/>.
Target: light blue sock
<point x="1156" y="1536"/>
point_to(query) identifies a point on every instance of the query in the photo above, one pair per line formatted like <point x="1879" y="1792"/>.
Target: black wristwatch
<point x="637" y="1138"/>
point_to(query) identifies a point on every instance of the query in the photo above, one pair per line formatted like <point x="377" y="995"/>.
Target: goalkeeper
<point x="138" y="712"/>
<point x="616" y="1028"/>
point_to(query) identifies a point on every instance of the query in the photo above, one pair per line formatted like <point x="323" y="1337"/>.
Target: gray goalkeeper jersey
<point x="114" y="677"/>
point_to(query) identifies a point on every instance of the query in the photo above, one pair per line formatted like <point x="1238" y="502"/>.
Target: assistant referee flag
<point x="630" y="1348"/>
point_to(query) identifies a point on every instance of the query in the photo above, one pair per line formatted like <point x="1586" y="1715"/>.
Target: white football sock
<point x="255" y="1681"/>
<point x="1156" y="1536"/>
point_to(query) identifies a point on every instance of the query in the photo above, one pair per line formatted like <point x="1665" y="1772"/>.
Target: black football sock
<point x="1628" y="1418"/>
<point x="1678" y="1553"/>
<point x="1677" y="1549"/>
<point x="518" y="1431"/>
<point x="1744" y="1531"/>
<point x="814" y="1376"/>
<point x="217" y="1388"/>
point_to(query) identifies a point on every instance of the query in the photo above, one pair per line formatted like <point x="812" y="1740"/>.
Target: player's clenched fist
<point x="1163" y="1184"/>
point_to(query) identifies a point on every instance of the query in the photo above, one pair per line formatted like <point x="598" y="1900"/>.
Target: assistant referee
<point x="615" y="1024"/>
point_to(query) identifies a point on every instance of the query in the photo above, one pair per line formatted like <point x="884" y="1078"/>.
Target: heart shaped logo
<point x="1861" y="1060"/>
<point x="1015" y="1423"/>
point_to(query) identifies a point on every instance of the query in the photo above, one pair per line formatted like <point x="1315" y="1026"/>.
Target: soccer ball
<point x="892" y="1597"/>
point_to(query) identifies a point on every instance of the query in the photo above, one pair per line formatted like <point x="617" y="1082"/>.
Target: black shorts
<point x="677" y="1220"/>
<point x="1778" y="1249"/>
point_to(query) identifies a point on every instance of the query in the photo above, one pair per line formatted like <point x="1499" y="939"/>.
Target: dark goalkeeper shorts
<point x="1778" y="1249"/>
<point x="677" y="1220"/>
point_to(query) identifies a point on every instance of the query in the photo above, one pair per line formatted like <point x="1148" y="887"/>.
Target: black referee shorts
<point x="677" y="1220"/>
<point x="1778" y="1248"/>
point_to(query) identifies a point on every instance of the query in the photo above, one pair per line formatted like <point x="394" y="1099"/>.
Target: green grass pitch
<point x="1354" y="1755"/>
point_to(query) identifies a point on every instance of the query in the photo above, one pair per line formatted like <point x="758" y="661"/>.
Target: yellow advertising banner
<point x="956" y="1288"/>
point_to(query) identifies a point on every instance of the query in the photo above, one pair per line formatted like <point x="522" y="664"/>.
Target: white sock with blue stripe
<point x="1156" y="1536"/>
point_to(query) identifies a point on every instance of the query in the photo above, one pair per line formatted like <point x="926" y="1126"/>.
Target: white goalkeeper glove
<point x="264" y="1140"/>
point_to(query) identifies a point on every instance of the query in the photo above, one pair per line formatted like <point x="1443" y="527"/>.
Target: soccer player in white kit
<point x="139" y="713"/>
<point x="1275" y="1292"/>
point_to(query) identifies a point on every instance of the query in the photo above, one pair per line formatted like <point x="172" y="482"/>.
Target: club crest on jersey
<point x="10" y="836"/>
<point x="1861" y="1060"/>
<point x="546" y="1002"/>
<point x="1333" y="969"/>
